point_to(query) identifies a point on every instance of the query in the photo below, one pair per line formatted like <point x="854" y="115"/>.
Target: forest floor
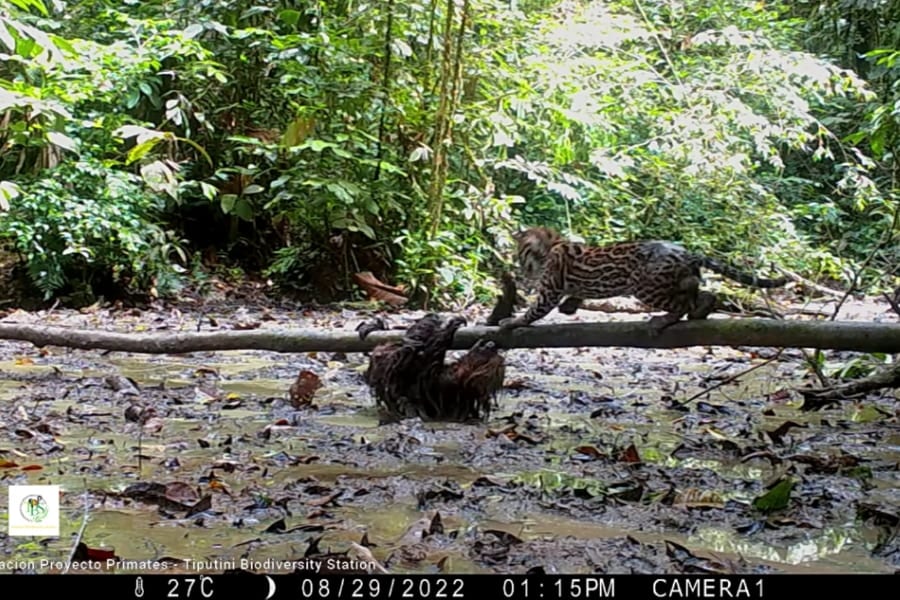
<point x="587" y="465"/>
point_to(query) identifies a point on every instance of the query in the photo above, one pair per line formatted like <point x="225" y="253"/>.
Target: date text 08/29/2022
<point x="524" y="588"/>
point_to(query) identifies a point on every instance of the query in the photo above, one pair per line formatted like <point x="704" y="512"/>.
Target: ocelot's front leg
<point x="547" y="300"/>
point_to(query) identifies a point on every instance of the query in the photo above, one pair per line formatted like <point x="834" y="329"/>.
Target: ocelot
<point x="662" y="275"/>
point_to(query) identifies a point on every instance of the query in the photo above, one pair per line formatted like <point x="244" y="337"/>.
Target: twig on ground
<point x="80" y="535"/>
<point x="731" y="378"/>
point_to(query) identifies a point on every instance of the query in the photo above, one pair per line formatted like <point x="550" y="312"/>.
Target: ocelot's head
<point x="532" y="247"/>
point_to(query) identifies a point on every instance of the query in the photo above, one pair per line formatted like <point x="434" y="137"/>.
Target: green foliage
<point x="90" y="209"/>
<point x="397" y="138"/>
<point x="694" y="124"/>
<point x="84" y="223"/>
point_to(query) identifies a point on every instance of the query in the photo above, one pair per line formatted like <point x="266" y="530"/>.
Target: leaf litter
<point x="593" y="461"/>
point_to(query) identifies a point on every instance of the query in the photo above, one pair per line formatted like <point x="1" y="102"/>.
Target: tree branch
<point x="836" y="335"/>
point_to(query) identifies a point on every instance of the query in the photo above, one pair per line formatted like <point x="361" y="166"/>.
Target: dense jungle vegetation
<point x="147" y="145"/>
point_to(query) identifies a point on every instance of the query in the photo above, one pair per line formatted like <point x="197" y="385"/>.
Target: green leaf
<point x="141" y="150"/>
<point x="776" y="498"/>
<point x="289" y="16"/>
<point x="132" y="97"/>
<point x="253" y="189"/>
<point x="64" y="44"/>
<point x="26" y="4"/>
<point x="8" y="40"/>
<point x="255" y="10"/>
<point x="316" y="145"/>
<point x="227" y="202"/>
<point x="209" y="191"/>
<point x="8" y="191"/>
<point x="243" y="209"/>
<point x="63" y="141"/>
<point x="280" y="182"/>
<point x="193" y="30"/>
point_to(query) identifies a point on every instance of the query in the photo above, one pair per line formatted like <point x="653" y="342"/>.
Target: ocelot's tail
<point x="740" y="276"/>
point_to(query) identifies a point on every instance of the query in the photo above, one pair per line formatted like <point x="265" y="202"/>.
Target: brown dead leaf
<point x="304" y="388"/>
<point x="437" y="525"/>
<point x="138" y="414"/>
<point x="377" y="290"/>
<point x="204" y="504"/>
<point x="779" y="396"/>
<point x="277" y="527"/>
<point x="32" y="468"/>
<point x="504" y="537"/>
<point x="182" y="493"/>
<point x="219" y="485"/>
<point x="591" y="451"/>
<point x="695" y="498"/>
<point x="84" y="553"/>
<point x="416" y="532"/>
<point x="326" y="500"/>
<point x="777" y="434"/>
<point x="8" y="464"/>
<point x="199" y="371"/>
<point x="515" y="436"/>
<point x="363" y="554"/>
<point x="505" y="430"/>
<point x="629" y="455"/>
<point x="153" y="425"/>
<point x="246" y="325"/>
<point x="228" y="466"/>
<point x="516" y="384"/>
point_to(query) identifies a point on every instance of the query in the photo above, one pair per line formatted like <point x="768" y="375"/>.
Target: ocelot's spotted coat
<point x="662" y="275"/>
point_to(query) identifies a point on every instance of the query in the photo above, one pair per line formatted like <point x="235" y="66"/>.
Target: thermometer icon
<point x="138" y="587"/>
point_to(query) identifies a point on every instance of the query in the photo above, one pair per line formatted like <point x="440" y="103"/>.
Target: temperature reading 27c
<point x="190" y="587"/>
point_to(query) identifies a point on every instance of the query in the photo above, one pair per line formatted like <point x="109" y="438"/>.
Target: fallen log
<point x="827" y="335"/>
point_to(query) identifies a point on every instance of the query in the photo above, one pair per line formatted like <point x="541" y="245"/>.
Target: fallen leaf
<point x="778" y="433"/>
<point x="777" y="498"/>
<point x="779" y="396"/>
<point x="304" y="388"/>
<point x="517" y="384"/>
<point x="326" y="500"/>
<point x="363" y="554"/>
<point x="504" y="537"/>
<point x="694" y="498"/>
<point x="276" y="527"/>
<point x="153" y="425"/>
<point x="85" y="553"/>
<point x="591" y="451"/>
<point x="181" y="492"/>
<point x="203" y="505"/>
<point x="206" y="371"/>
<point x="382" y="292"/>
<point x="629" y="455"/>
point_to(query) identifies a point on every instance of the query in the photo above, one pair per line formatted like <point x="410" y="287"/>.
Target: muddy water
<point x="603" y="470"/>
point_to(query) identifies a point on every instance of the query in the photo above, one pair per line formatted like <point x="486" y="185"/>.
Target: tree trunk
<point x="834" y="335"/>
